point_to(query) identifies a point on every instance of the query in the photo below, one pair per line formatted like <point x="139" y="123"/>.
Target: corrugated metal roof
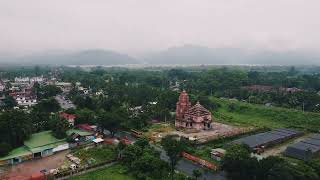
<point x="267" y="137"/>
<point x="312" y="141"/>
<point x="305" y="148"/>
<point x="18" y="152"/>
<point x="316" y="136"/>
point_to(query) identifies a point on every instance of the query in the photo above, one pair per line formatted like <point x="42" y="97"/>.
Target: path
<point x="65" y="104"/>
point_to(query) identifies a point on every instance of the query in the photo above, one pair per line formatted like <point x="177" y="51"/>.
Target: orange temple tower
<point x="192" y="117"/>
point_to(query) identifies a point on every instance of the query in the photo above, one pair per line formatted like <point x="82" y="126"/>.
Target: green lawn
<point x="116" y="172"/>
<point x="97" y="154"/>
<point x="244" y="114"/>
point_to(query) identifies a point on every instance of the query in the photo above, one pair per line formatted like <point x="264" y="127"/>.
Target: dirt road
<point x="26" y="169"/>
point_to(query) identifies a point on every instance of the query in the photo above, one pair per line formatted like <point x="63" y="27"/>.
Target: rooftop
<point x="42" y="140"/>
<point x="198" y="109"/>
<point x="80" y="132"/>
<point x="18" y="152"/>
<point x="267" y="137"/>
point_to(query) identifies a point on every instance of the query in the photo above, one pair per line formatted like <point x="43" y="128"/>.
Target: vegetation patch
<point x="96" y="155"/>
<point x="116" y="172"/>
<point x="239" y="113"/>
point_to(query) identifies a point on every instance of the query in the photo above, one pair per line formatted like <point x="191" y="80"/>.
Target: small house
<point x="217" y="154"/>
<point x="80" y="136"/>
<point x="69" y="117"/>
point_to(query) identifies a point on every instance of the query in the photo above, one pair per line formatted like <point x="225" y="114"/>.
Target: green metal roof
<point x="80" y="132"/>
<point x="42" y="139"/>
<point x="49" y="146"/>
<point x="18" y="152"/>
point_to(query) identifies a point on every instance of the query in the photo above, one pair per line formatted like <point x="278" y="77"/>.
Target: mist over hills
<point x="190" y="54"/>
<point x="183" y="55"/>
<point x="87" y="57"/>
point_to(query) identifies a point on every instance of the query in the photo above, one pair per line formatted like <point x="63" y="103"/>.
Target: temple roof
<point x="198" y="110"/>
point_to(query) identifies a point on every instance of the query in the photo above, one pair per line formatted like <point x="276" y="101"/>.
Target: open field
<point x="96" y="155"/>
<point x="244" y="114"/>
<point x="116" y="172"/>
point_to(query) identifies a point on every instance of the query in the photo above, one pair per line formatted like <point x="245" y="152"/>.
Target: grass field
<point x="96" y="155"/>
<point x="244" y="114"/>
<point x="116" y="172"/>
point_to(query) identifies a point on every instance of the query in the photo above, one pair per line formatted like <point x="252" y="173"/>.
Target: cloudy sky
<point x="133" y="26"/>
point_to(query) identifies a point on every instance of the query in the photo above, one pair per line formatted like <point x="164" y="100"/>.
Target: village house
<point x="78" y="137"/>
<point x="191" y="117"/>
<point x="2" y="86"/>
<point x="24" y="98"/>
<point x="264" y="88"/>
<point x="21" y="79"/>
<point x="64" y="86"/>
<point x="69" y="117"/>
<point x="217" y="154"/>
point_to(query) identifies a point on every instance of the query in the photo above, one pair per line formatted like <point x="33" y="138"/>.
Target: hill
<point x="190" y="54"/>
<point x="88" y="57"/>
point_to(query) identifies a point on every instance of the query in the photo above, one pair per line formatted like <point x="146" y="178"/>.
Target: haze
<point x="140" y="26"/>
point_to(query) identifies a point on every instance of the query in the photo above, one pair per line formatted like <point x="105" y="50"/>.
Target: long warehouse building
<point x="269" y="138"/>
<point x="305" y="149"/>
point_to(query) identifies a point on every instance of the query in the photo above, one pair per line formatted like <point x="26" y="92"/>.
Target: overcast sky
<point x="133" y="26"/>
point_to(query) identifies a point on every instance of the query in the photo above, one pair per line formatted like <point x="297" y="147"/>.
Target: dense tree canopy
<point x="15" y="127"/>
<point x="239" y="165"/>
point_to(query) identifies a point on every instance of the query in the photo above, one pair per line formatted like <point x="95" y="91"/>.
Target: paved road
<point x="64" y="103"/>
<point x="187" y="168"/>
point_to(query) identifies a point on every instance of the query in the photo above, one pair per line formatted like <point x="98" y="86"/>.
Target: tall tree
<point x="173" y="148"/>
<point x="15" y="127"/>
<point x="110" y="121"/>
<point x="59" y="127"/>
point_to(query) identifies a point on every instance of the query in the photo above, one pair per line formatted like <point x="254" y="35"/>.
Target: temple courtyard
<point x="218" y="130"/>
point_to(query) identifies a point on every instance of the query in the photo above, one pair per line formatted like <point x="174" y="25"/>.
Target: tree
<point x="15" y="127"/>
<point x="59" y="127"/>
<point x="5" y="148"/>
<point x="149" y="165"/>
<point x="266" y="165"/>
<point x="85" y="116"/>
<point x="144" y="164"/>
<point x="9" y="102"/>
<point x="130" y="154"/>
<point x="49" y="91"/>
<point x="47" y="105"/>
<point x="142" y="142"/>
<point x="110" y="121"/>
<point x="173" y="148"/>
<point x="196" y="173"/>
<point x="239" y="164"/>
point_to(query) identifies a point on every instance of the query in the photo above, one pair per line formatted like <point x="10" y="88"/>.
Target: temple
<point x="192" y="117"/>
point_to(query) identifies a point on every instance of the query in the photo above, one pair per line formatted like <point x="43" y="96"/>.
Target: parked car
<point x="73" y="167"/>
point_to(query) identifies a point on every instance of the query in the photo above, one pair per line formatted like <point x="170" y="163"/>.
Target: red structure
<point x="191" y="117"/>
<point x="69" y="117"/>
<point x="85" y="127"/>
<point x="200" y="161"/>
